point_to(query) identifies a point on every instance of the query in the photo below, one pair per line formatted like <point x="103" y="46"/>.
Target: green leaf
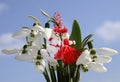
<point x="76" y="35"/>
<point x="35" y="19"/>
<point x="50" y="17"/>
<point x="86" y="40"/>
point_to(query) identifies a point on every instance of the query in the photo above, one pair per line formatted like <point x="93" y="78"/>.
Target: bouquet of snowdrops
<point x="60" y="57"/>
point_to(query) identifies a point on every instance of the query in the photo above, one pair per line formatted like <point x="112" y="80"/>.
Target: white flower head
<point x="52" y="61"/>
<point x="84" y="58"/>
<point x="37" y="28"/>
<point x="40" y="65"/>
<point x="39" y="68"/>
<point x="44" y="53"/>
<point x="47" y="33"/>
<point x="33" y="50"/>
<point x="47" y="57"/>
<point x="24" y="56"/>
<point x="52" y="49"/>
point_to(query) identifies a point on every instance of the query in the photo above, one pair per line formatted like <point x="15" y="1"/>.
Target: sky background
<point x="101" y="17"/>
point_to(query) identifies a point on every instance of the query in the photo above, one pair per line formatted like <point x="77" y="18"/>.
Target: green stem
<point x="60" y="72"/>
<point x="77" y="74"/>
<point x="52" y="73"/>
<point x="68" y="73"/>
<point x="46" y="75"/>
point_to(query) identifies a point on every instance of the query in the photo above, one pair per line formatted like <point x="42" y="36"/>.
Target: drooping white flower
<point x="47" y="33"/>
<point x="33" y="50"/>
<point x="39" y="68"/>
<point x="22" y="33"/>
<point x="10" y="51"/>
<point x="39" y="33"/>
<point x="37" y="28"/>
<point x="84" y="58"/>
<point x="47" y="57"/>
<point x="107" y="51"/>
<point x="52" y="61"/>
<point x="97" y="65"/>
<point x="40" y="65"/>
<point x="27" y="56"/>
<point x="52" y="49"/>
<point x="36" y="41"/>
<point x="44" y="53"/>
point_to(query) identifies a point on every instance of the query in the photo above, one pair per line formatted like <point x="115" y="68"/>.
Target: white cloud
<point x="109" y="31"/>
<point x="7" y="41"/>
<point x="3" y="7"/>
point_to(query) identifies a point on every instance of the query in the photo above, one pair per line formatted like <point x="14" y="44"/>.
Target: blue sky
<point x="101" y="17"/>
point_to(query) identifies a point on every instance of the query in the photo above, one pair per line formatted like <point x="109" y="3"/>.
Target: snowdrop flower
<point x="33" y="50"/>
<point x="40" y="65"/>
<point x="36" y="41"/>
<point x="84" y="58"/>
<point x="96" y="65"/>
<point x="47" y="33"/>
<point x="52" y="61"/>
<point x="20" y="56"/>
<point x="10" y="51"/>
<point x="37" y="28"/>
<point x="107" y="51"/>
<point x="24" y="57"/>
<point x="44" y="53"/>
<point x="52" y="49"/>
<point x="47" y="57"/>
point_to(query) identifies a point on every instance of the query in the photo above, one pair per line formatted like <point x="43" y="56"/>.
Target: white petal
<point x="38" y="41"/>
<point x="83" y="58"/>
<point x="103" y="59"/>
<point x="42" y="62"/>
<point x="52" y="49"/>
<point x="21" y="33"/>
<point x="47" y="33"/>
<point x="39" y="68"/>
<point x="55" y="41"/>
<point x="97" y="67"/>
<point x="44" y="53"/>
<point x="10" y="51"/>
<point x="24" y="57"/>
<point x="38" y="28"/>
<point x="52" y="61"/>
<point x="108" y="51"/>
<point x="32" y="48"/>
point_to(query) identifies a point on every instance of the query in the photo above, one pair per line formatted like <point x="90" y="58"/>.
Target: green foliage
<point x="76" y="35"/>
<point x="86" y="40"/>
<point x="36" y="20"/>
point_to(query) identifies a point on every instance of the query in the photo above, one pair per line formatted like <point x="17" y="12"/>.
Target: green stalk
<point x="77" y="74"/>
<point x="60" y="72"/>
<point x="52" y="73"/>
<point x="68" y="73"/>
<point x="46" y="75"/>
